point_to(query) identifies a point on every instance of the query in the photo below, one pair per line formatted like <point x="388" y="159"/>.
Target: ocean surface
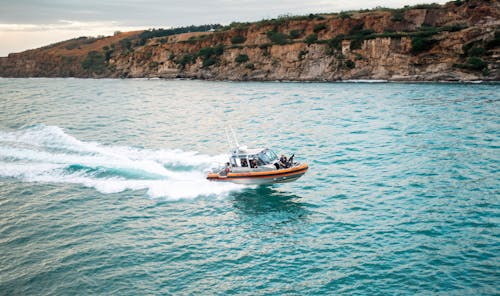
<point x="103" y="190"/>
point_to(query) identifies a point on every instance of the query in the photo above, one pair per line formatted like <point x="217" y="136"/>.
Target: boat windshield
<point x="267" y="156"/>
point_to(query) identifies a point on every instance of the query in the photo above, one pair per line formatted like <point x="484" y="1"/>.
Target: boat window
<point x="244" y="162"/>
<point x="272" y="155"/>
<point x="263" y="158"/>
<point x="254" y="161"/>
<point x="267" y="156"/>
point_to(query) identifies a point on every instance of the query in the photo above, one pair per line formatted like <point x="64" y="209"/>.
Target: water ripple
<point x="102" y="188"/>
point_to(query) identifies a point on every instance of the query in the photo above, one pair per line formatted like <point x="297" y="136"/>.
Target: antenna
<point x="234" y="136"/>
<point x="228" y="139"/>
<point x="235" y="139"/>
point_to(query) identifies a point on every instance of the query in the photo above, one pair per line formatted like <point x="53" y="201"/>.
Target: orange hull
<point x="275" y="176"/>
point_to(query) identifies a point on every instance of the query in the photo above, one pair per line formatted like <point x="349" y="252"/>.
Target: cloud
<point x="33" y="23"/>
<point x="20" y="37"/>
<point x="176" y="13"/>
<point x="63" y="25"/>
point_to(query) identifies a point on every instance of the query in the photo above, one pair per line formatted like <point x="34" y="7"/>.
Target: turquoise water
<point x="102" y="189"/>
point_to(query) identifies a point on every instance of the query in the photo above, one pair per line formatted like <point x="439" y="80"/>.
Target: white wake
<point x="47" y="154"/>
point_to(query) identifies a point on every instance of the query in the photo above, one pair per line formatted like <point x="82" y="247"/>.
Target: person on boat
<point x="227" y="169"/>
<point x="253" y="163"/>
<point x="244" y="162"/>
<point x="283" y="161"/>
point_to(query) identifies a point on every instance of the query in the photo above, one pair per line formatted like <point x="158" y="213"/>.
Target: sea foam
<point x="48" y="154"/>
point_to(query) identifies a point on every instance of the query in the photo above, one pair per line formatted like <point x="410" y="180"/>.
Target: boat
<point x="257" y="167"/>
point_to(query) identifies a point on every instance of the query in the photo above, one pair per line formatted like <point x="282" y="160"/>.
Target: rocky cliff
<point x="452" y="42"/>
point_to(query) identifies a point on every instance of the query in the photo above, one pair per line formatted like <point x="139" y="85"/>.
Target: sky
<point x="28" y="24"/>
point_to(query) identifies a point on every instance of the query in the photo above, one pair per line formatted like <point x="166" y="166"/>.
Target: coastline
<point x="454" y="42"/>
<point x="353" y="81"/>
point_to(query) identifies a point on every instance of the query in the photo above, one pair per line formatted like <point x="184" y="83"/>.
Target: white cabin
<point x="245" y="159"/>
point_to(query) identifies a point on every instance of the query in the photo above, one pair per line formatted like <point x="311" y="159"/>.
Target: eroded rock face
<point x="457" y="42"/>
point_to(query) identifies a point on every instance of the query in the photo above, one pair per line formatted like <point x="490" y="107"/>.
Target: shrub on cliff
<point x="319" y="27"/>
<point x="336" y="43"/>
<point x="209" y="54"/>
<point x="344" y="15"/>
<point x="241" y="58"/>
<point x="397" y="16"/>
<point x="476" y="52"/>
<point x="427" y="31"/>
<point x="250" y="66"/>
<point x="209" y="62"/>
<point x="277" y="37"/>
<point x="473" y="63"/>
<point x="419" y="44"/>
<point x="312" y="16"/>
<point x="191" y="40"/>
<point x="125" y="45"/>
<point x="153" y="33"/>
<point x="358" y="35"/>
<point x="107" y="52"/>
<point x="356" y="43"/>
<point x="357" y="28"/>
<point x="425" y="6"/>
<point x="302" y="53"/>
<point x="153" y="65"/>
<point x="205" y="52"/>
<point x="454" y="28"/>
<point x="238" y="39"/>
<point x="219" y="49"/>
<point x="495" y="42"/>
<point x="389" y="34"/>
<point x="350" y="64"/>
<point x="94" y="62"/>
<point x="294" y="34"/>
<point x="237" y="26"/>
<point x="311" y="39"/>
<point x="186" y="59"/>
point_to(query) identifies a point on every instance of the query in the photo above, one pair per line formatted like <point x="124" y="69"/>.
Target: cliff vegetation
<point x="452" y="42"/>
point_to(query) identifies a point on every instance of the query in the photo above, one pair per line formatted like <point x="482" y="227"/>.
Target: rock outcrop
<point x="454" y="42"/>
